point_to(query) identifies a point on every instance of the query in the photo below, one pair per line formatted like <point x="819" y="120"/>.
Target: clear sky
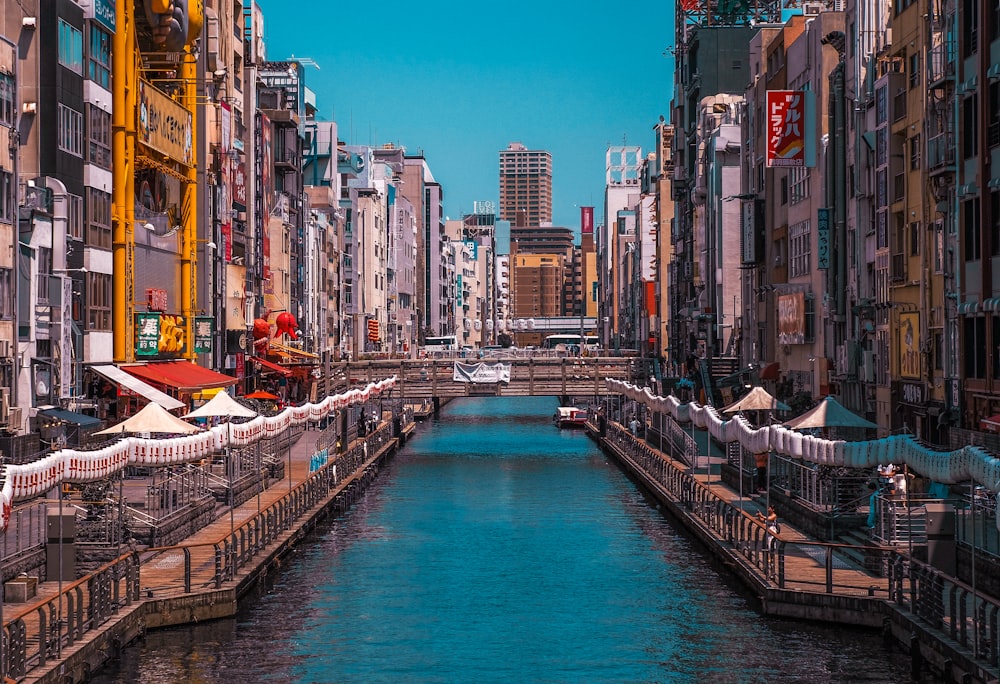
<point x="461" y="80"/>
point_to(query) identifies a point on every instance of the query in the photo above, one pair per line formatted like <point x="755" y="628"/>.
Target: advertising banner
<point x="160" y="335"/>
<point x="204" y="331"/>
<point x="481" y="373"/>
<point x="164" y="125"/>
<point x="792" y="318"/>
<point x="786" y="128"/>
<point x="909" y="345"/>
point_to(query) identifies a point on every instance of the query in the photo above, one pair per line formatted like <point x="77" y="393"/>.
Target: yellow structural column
<point x="189" y="207"/>
<point x="124" y="87"/>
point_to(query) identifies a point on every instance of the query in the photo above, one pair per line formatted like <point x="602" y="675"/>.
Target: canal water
<point x="496" y="547"/>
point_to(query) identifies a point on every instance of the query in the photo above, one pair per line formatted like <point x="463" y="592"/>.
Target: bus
<point x="570" y="343"/>
<point x="441" y="343"/>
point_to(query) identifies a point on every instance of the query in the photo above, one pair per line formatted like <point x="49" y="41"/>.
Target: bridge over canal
<point x="436" y="378"/>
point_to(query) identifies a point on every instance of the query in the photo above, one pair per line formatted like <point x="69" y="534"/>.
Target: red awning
<point x="180" y="375"/>
<point x="770" y="371"/>
<point x="280" y="370"/>
<point x="991" y="424"/>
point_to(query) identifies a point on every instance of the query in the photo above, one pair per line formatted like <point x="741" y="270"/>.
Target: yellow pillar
<point x="189" y="208"/>
<point x="124" y="86"/>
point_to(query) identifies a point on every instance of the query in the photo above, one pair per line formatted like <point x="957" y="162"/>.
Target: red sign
<point x="786" y="128"/>
<point x="586" y="220"/>
<point x="156" y="299"/>
<point x="372" y="330"/>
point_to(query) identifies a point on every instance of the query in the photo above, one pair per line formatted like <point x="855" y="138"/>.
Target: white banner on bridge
<point x="482" y="372"/>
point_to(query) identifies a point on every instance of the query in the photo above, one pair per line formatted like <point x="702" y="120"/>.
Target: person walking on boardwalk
<point x="760" y="460"/>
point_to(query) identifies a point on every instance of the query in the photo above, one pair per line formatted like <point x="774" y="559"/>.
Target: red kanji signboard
<point x="786" y="128"/>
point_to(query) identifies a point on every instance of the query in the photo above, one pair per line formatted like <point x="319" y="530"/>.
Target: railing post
<point x="187" y="570"/>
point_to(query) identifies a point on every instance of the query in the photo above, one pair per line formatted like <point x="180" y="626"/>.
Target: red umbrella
<point x="261" y="394"/>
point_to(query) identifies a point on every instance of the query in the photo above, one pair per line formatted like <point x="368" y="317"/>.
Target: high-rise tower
<point x="525" y="185"/>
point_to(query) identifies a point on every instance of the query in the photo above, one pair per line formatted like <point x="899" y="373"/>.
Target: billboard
<point x="586" y="220"/>
<point x="164" y="125"/>
<point x="792" y="318"/>
<point x="786" y="128"/>
<point x="909" y="345"/>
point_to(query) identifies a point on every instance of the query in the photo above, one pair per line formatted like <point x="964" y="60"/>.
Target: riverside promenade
<point x="69" y="630"/>
<point x="948" y="629"/>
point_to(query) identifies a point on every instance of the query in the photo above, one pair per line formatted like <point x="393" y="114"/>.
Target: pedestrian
<point x="760" y="459"/>
<point x="634" y="426"/>
<point x="771" y="524"/>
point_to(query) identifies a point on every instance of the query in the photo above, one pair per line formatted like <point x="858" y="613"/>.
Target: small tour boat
<point x="569" y="417"/>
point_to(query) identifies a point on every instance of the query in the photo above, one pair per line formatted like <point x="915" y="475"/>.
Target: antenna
<point x="304" y="61"/>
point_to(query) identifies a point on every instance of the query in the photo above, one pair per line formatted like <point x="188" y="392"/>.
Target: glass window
<point x="98" y="137"/>
<point x="6" y="196"/>
<point x="6" y="293"/>
<point x="98" y="218"/>
<point x="98" y="301"/>
<point x="71" y="47"/>
<point x="7" y="99"/>
<point x="99" y="57"/>
<point x="800" y="246"/>
<point x="70" y="130"/>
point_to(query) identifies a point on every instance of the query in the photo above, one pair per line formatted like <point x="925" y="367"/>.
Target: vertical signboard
<point x="204" y="331"/>
<point x="225" y="211"/>
<point x="749" y="231"/>
<point x="909" y="345"/>
<point x="823" y="238"/>
<point x="586" y="220"/>
<point x="786" y="128"/>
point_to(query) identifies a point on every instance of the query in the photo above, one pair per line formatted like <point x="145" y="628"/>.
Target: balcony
<point x="941" y="153"/>
<point x="940" y="66"/>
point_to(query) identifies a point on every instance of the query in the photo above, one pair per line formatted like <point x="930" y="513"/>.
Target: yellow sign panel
<point x="164" y="125"/>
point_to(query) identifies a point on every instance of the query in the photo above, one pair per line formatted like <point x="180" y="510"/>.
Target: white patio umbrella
<point x="152" y="418"/>
<point x="222" y="406"/>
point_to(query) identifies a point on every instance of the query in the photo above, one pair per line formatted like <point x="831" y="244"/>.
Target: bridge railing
<point x="770" y="555"/>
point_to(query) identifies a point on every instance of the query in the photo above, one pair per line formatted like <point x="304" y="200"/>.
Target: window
<point x="970" y="131"/>
<point x="98" y="137"/>
<point x="71" y="47"/>
<point x="914" y="70"/>
<point x="995" y="228"/>
<point x="971" y="229"/>
<point x="6" y="293"/>
<point x="98" y="218"/>
<point x="7" y="97"/>
<point x="99" y="59"/>
<point x="914" y="239"/>
<point x="98" y="301"/>
<point x="74" y="227"/>
<point x="70" y="130"/>
<point x="800" y="248"/>
<point x="799" y="185"/>
<point x="784" y="190"/>
<point x="6" y="196"/>
<point x="915" y="153"/>
<point x="938" y="247"/>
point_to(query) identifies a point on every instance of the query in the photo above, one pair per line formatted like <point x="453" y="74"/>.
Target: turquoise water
<point x="498" y="548"/>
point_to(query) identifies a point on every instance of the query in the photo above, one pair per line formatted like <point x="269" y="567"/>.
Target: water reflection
<point x="499" y="548"/>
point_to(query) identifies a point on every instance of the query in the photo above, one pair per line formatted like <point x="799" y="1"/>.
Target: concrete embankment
<point x="802" y="577"/>
<point x="163" y="602"/>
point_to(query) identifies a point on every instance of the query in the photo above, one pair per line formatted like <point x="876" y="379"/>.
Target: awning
<point x="81" y="419"/>
<point x="992" y="304"/>
<point x="991" y="424"/>
<point x="770" y="371"/>
<point x="181" y="375"/>
<point x="137" y="386"/>
<point x="292" y="350"/>
<point x="969" y="307"/>
<point x="280" y="370"/>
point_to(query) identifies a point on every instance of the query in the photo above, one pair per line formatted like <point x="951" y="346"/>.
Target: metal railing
<point x="947" y="606"/>
<point x="40" y="633"/>
<point x="211" y="564"/>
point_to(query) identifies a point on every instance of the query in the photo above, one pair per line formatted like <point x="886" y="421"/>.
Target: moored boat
<point x="569" y="417"/>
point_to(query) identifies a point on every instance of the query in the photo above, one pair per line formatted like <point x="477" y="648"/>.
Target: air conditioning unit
<point x="14" y="419"/>
<point x="4" y="404"/>
<point x="4" y="349"/>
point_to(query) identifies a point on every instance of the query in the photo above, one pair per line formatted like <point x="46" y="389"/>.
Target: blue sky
<point x="462" y="80"/>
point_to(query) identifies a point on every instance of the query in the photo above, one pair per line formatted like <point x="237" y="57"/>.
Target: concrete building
<point x="525" y="185"/>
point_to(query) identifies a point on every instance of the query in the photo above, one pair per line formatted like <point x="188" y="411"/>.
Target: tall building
<point x="525" y="185"/>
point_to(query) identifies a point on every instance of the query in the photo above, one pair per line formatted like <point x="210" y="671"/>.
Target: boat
<point x="569" y="417"/>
